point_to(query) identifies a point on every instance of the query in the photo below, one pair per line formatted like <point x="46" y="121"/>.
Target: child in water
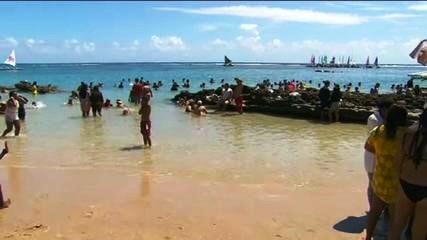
<point x="145" y="112"/>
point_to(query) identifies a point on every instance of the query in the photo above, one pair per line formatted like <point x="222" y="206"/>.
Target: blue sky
<point x="205" y="31"/>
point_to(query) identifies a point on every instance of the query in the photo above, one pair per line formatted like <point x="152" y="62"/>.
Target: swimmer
<point x="119" y="103"/>
<point x="107" y="103"/>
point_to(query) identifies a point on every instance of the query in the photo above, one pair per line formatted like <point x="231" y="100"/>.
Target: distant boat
<point x="376" y="63"/>
<point x="367" y="65"/>
<point x="227" y="62"/>
<point x="10" y="62"/>
<point x="418" y="75"/>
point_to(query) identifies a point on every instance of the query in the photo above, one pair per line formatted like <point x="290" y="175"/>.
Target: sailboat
<point x="367" y="65"/>
<point x="227" y="62"/>
<point x="376" y="63"/>
<point x="10" y="61"/>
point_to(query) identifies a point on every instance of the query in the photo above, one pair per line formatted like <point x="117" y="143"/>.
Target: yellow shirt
<point x="386" y="172"/>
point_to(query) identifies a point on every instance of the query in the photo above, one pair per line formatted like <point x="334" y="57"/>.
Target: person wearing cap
<point x="11" y="114"/>
<point x="377" y="118"/>
<point x="324" y="96"/>
<point x="237" y="95"/>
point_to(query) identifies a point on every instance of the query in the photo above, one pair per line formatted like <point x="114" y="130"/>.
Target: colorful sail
<point x="11" y="59"/>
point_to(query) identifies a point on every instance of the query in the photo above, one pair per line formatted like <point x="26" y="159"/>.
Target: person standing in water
<point x="334" y="107"/>
<point x="84" y="99"/>
<point x="324" y="97"/>
<point x="21" y="109"/>
<point x="11" y="114"/>
<point x="145" y="112"/>
<point x="96" y="101"/>
<point x="4" y="203"/>
<point x="238" y="98"/>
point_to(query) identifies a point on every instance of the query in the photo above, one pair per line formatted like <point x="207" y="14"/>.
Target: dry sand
<point x="92" y="204"/>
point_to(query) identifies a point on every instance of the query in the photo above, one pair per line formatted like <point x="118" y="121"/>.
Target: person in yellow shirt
<point x="385" y="141"/>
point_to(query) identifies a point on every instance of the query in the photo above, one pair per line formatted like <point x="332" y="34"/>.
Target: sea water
<point x="224" y="146"/>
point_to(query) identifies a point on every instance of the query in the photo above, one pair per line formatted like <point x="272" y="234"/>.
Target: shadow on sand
<point x="132" y="148"/>
<point x="356" y="225"/>
<point x="351" y="224"/>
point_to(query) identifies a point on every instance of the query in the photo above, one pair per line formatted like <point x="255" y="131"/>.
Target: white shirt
<point x="227" y="94"/>
<point x="374" y="120"/>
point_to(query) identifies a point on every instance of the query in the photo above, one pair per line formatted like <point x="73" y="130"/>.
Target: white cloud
<point x="89" y="46"/>
<point x="396" y="16"/>
<point x="275" y="43"/>
<point x="8" y="42"/>
<point x="31" y="43"/>
<point x="252" y="28"/>
<point x="418" y="7"/>
<point x="252" y="43"/>
<point x="168" y="43"/>
<point x="276" y="14"/>
<point x="219" y="43"/>
<point x="207" y="27"/>
<point x="79" y="47"/>
<point x="134" y="46"/>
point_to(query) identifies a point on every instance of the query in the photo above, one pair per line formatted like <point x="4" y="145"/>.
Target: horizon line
<point x="125" y="62"/>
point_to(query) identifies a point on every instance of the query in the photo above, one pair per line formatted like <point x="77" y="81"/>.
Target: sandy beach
<point x="90" y="204"/>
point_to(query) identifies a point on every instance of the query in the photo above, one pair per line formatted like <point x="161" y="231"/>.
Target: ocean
<point x="223" y="147"/>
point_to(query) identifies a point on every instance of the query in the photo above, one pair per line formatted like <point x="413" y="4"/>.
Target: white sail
<point x="11" y="60"/>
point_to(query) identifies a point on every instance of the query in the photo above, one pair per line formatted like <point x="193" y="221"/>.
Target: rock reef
<point x="355" y="107"/>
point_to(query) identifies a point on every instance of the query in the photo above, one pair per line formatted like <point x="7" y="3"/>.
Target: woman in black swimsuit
<point x="412" y="192"/>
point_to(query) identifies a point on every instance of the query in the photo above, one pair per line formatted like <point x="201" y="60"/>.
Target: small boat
<point x="227" y="62"/>
<point x="376" y="63"/>
<point x="367" y="65"/>
<point x="418" y="75"/>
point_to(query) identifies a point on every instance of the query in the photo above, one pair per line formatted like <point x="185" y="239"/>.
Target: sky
<point x="46" y="32"/>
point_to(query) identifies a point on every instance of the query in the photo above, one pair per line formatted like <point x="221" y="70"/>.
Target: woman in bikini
<point x="412" y="190"/>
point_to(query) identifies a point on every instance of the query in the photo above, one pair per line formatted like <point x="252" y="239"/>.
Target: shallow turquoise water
<point x="226" y="147"/>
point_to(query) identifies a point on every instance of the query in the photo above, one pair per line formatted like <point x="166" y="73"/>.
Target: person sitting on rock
<point x="227" y="95"/>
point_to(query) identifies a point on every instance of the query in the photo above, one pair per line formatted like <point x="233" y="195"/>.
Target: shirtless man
<point x="4" y="203"/>
<point x="145" y="112"/>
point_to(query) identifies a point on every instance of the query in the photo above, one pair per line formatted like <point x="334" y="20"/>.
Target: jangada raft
<point x="25" y="86"/>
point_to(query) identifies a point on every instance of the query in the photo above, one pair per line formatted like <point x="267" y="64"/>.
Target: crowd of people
<point x="229" y="97"/>
<point x="395" y="156"/>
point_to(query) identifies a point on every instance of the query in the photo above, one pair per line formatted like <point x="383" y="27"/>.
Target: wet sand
<point x="91" y="204"/>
